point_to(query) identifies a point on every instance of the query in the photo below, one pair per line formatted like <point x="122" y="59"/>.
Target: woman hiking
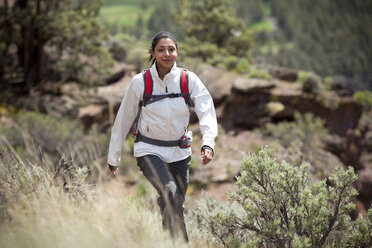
<point x="161" y="96"/>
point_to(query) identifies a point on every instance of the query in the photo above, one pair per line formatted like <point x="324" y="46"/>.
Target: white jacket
<point x="166" y="119"/>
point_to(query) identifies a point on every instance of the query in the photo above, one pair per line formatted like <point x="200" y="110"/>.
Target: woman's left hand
<point x="207" y="156"/>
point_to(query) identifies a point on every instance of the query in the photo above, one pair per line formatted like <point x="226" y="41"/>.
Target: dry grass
<point x="42" y="209"/>
<point x="43" y="206"/>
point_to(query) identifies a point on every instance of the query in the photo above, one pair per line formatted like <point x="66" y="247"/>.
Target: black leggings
<point x="171" y="181"/>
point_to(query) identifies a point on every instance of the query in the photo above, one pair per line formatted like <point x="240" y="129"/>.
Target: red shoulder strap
<point x="147" y="78"/>
<point x="184" y="84"/>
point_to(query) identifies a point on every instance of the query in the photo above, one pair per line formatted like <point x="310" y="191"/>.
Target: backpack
<point x="148" y="98"/>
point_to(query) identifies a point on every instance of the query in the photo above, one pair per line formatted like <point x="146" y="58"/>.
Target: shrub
<point x="302" y="141"/>
<point x="204" y="220"/>
<point x="89" y="70"/>
<point x="278" y="207"/>
<point x="306" y="128"/>
<point x="231" y="62"/>
<point x="37" y="137"/>
<point x="243" y="66"/>
<point x="360" y="234"/>
<point x="260" y="74"/>
<point x="138" y="57"/>
<point x="303" y="76"/>
<point x="118" y="49"/>
<point x="311" y="84"/>
<point x="51" y="134"/>
<point x="194" y="48"/>
<point x="365" y="98"/>
<point x="328" y="82"/>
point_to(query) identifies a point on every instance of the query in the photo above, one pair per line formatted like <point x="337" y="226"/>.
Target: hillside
<point x="291" y="33"/>
<point x="293" y="161"/>
<point x="252" y="111"/>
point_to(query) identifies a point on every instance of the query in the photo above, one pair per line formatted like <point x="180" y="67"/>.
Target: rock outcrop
<point x="249" y="101"/>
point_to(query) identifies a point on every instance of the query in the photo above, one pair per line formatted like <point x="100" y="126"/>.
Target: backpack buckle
<point x="136" y="136"/>
<point x="186" y="140"/>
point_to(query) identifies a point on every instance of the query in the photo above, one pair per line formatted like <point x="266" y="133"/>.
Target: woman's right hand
<point x="206" y="155"/>
<point x="113" y="169"/>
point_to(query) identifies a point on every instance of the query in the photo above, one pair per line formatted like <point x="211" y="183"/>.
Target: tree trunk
<point x="31" y="49"/>
<point x="7" y="41"/>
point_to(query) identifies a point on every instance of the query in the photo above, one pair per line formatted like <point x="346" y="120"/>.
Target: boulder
<point x="282" y="73"/>
<point x="225" y="170"/>
<point x="367" y="141"/>
<point x="218" y="82"/>
<point x="251" y="85"/>
<point x="200" y="175"/>
<point x="93" y="113"/>
<point x="341" y="86"/>
<point x="364" y="186"/>
<point x="246" y="106"/>
<point x="113" y="93"/>
<point x="116" y="73"/>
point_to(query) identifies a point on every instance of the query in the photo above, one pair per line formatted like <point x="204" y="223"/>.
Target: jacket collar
<point x="172" y="73"/>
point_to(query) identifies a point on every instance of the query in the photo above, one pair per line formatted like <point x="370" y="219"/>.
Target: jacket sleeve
<point x="205" y="111"/>
<point x="124" y="120"/>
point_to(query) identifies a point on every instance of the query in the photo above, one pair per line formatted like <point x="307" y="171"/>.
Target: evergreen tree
<point x="214" y="22"/>
<point x="250" y="11"/>
<point x="163" y="18"/>
<point x="69" y="28"/>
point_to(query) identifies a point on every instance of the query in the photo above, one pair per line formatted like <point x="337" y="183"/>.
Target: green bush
<point x="302" y="141"/>
<point x="203" y="49"/>
<point x="365" y="98"/>
<point x="328" y="82"/>
<point x="311" y="85"/>
<point x="37" y="137"/>
<point x="260" y="74"/>
<point x="204" y="218"/>
<point x="303" y="76"/>
<point x="88" y="69"/>
<point x="118" y="49"/>
<point x="276" y="206"/>
<point x="306" y="128"/>
<point x="49" y="133"/>
<point x="243" y="66"/>
<point x="213" y="25"/>
<point x="138" y="57"/>
<point x="360" y="234"/>
<point x="231" y="62"/>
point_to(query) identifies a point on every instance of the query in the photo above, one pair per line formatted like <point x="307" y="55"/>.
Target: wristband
<point x="209" y="148"/>
<point x="112" y="168"/>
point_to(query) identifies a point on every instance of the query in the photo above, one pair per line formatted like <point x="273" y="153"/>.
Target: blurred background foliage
<point x="79" y="40"/>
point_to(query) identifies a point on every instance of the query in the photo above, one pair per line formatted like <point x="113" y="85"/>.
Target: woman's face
<point x="165" y="53"/>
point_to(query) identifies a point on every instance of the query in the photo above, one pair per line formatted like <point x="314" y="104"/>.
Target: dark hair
<point x="160" y="35"/>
